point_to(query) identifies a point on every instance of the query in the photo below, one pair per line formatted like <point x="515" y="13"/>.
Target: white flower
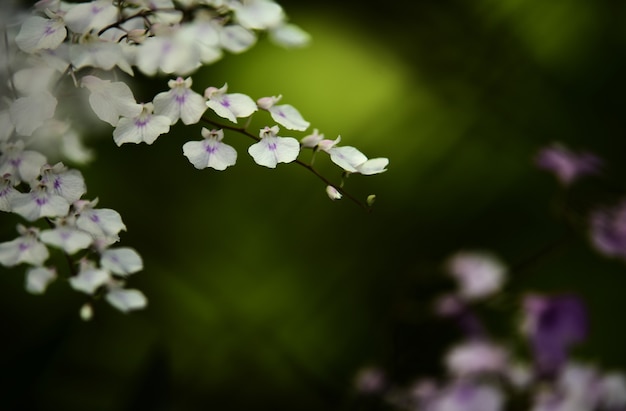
<point x="89" y="278"/>
<point x="479" y="274"/>
<point x="229" y="106"/>
<point x="24" y="249"/>
<point x="126" y="300"/>
<point x="111" y="100"/>
<point x="258" y="14"/>
<point x="7" y="193"/>
<point x="612" y="389"/>
<point x="39" y="33"/>
<point x="169" y="51"/>
<point x="273" y="149"/>
<point x="30" y="112"/>
<point x="95" y="15"/>
<point x="69" y="184"/>
<point x="236" y="39"/>
<point x="6" y="125"/>
<point x="145" y="127"/>
<point x="285" y="114"/>
<point x="68" y="239"/>
<point x="94" y="52"/>
<point x="210" y="152"/>
<point x="103" y="223"/>
<point x="180" y="102"/>
<point x="38" y="278"/>
<point x="476" y="357"/>
<point x="22" y="165"/>
<point x="373" y="166"/>
<point x="333" y="193"/>
<point x="122" y="260"/>
<point x="318" y="142"/>
<point x="39" y="202"/>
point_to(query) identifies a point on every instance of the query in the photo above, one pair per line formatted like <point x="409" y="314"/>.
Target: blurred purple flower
<point x="370" y="380"/>
<point x="553" y="324"/>
<point x="567" y="165"/>
<point x="608" y="230"/>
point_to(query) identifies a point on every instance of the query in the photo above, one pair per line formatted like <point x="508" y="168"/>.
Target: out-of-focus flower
<point x="567" y="165"/>
<point x="608" y="230"/>
<point x="479" y="274"/>
<point x="476" y="357"/>
<point x="370" y="380"/>
<point x="553" y="324"/>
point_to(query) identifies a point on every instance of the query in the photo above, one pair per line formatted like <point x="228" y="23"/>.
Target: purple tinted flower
<point x="553" y="324"/>
<point x="608" y="230"/>
<point x="567" y="165"/>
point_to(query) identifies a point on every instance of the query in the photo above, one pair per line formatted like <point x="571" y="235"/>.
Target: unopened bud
<point x="333" y="193"/>
<point x="371" y="199"/>
<point x="86" y="312"/>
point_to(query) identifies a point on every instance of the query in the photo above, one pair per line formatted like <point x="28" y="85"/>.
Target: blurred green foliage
<point x="263" y="293"/>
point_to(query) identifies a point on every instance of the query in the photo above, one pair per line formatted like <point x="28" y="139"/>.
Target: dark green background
<point x="263" y="293"/>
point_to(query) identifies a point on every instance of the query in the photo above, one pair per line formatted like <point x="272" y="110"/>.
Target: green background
<point x="263" y="293"/>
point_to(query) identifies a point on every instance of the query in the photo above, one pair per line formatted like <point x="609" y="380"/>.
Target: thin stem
<point x="339" y="188"/>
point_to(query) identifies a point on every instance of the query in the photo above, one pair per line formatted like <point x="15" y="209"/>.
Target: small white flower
<point x="479" y="274"/>
<point x="111" y="100"/>
<point x="39" y="33"/>
<point x="39" y="202"/>
<point x="272" y="149"/>
<point x="67" y="238"/>
<point x="95" y="15"/>
<point x="103" y="223"/>
<point x="21" y="165"/>
<point x="7" y="193"/>
<point x="89" y="278"/>
<point x="38" y="278"/>
<point x="69" y="184"/>
<point x="210" y="152"/>
<point x="146" y="127"/>
<point x="285" y="114"/>
<point x="30" y="112"/>
<point x="476" y="357"/>
<point x="122" y="260"/>
<point x="169" y="51"/>
<point x="229" y="106"/>
<point x="126" y="300"/>
<point x="180" y="102"/>
<point x="24" y="249"/>
<point x="333" y="193"/>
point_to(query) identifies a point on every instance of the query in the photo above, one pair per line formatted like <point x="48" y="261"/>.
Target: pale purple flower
<point x="567" y="165"/>
<point x="467" y="396"/>
<point x="210" y="152"/>
<point x="94" y="15"/>
<point x="608" y="230"/>
<point x="180" y="102"/>
<point x="7" y="193"/>
<point x="553" y="324"/>
<point x="102" y="223"/>
<point x="231" y="105"/>
<point x="89" y="278"/>
<point x="273" y="149"/>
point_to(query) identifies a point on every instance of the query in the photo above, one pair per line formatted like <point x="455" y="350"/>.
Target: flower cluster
<point x="485" y="374"/>
<point x="59" y="52"/>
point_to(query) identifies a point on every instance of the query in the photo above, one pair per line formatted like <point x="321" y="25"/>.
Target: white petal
<point x="29" y="113"/>
<point x="68" y="239"/>
<point x="273" y="150"/>
<point x="24" y="249"/>
<point x="373" y="166"/>
<point x="287" y="116"/>
<point x="39" y="33"/>
<point x="39" y="203"/>
<point x="290" y="36"/>
<point x="96" y="15"/>
<point x="89" y="279"/>
<point x="236" y="39"/>
<point x="38" y="278"/>
<point x="346" y="157"/>
<point x="122" y="261"/>
<point x="126" y="300"/>
<point x="259" y="14"/>
<point x="102" y="223"/>
<point x="111" y="100"/>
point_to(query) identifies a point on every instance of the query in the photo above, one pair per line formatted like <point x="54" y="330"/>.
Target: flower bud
<point x="333" y="193"/>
